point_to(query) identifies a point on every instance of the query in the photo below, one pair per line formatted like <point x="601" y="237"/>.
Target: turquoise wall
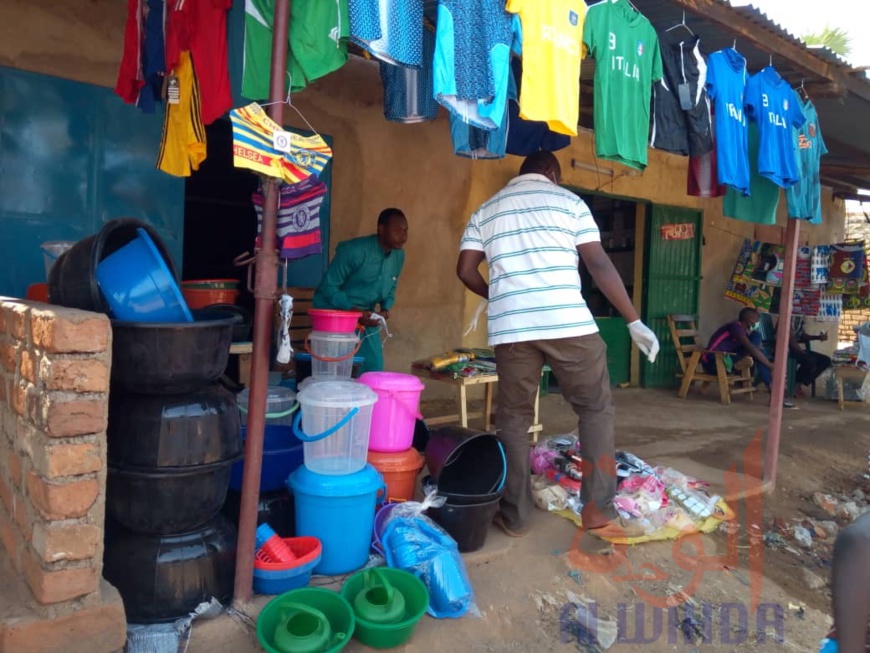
<point x="72" y="157"/>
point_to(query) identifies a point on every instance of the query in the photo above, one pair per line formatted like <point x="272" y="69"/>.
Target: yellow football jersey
<point x="552" y="51"/>
<point x="183" y="144"/>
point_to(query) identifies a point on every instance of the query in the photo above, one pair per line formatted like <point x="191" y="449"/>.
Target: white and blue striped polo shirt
<point x="529" y="232"/>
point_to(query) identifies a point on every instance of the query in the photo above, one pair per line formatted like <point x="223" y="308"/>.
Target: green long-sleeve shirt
<point x="361" y="276"/>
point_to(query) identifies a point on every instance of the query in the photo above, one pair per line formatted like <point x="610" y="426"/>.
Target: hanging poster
<point x="757" y="274"/>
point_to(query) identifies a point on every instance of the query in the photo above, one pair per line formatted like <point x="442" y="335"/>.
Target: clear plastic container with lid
<point x="334" y="425"/>
<point x="332" y="354"/>
<point x="280" y="405"/>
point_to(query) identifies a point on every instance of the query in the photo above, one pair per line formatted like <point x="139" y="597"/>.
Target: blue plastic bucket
<point x="340" y="512"/>
<point x="282" y="454"/>
<point x="138" y="285"/>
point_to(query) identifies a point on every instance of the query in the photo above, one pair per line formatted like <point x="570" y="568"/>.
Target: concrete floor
<point x="521" y="585"/>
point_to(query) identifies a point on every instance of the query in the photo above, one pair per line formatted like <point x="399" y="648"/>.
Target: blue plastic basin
<point x="282" y="455"/>
<point x="278" y="582"/>
<point x="138" y="285"/>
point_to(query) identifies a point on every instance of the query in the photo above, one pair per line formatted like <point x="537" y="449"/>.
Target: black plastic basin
<point x="274" y="508"/>
<point x="164" y="501"/>
<point x="242" y="331"/>
<point x="164" y="578"/>
<point x="467" y="524"/>
<point x="72" y="281"/>
<point x="168" y="358"/>
<point x="200" y="427"/>
<point x="465" y="462"/>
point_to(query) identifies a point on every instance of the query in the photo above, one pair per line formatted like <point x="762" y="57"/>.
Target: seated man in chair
<point x="742" y="341"/>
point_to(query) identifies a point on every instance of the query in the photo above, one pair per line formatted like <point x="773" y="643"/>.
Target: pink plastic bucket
<point x="333" y="321"/>
<point x="396" y="412"/>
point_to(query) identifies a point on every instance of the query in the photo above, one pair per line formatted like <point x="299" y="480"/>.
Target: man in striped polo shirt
<point x="531" y="234"/>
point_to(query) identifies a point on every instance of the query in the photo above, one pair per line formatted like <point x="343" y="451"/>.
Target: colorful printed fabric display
<point x="847" y="268"/>
<point x="821" y="262"/>
<point x="803" y="268"/>
<point x="831" y="309"/>
<point x="254" y="147"/>
<point x="807" y="302"/>
<point x="298" y="227"/>
<point x="749" y="283"/>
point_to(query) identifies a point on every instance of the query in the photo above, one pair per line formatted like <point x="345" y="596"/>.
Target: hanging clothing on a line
<point x="253" y="147"/>
<point x="388" y="29"/>
<point x="298" y="228"/>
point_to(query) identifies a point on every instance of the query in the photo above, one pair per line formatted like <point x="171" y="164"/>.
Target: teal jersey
<point x="805" y="197"/>
<point x="627" y="62"/>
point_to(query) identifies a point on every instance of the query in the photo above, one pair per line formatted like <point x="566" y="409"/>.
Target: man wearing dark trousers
<point x="532" y="234"/>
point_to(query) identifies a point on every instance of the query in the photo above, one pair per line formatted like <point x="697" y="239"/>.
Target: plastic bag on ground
<point x="414" y="543"/>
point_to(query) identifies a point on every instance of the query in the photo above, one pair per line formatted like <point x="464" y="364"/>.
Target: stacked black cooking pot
<point x="173" y="436"/>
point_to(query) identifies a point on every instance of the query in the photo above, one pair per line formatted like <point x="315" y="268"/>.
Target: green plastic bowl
<point x="332" y="604"/>
<point x="389" y="635"/>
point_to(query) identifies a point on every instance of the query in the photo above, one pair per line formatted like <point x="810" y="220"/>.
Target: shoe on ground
<point x="498" y="520"/>
<point x="616" y="529"/>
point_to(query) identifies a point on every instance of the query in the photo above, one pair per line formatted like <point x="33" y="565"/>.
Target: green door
<point x="671" y="284"/>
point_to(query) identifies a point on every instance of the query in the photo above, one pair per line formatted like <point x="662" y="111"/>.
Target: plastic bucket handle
<point x="285" y="413"/>
<point x="396" y="394"/>
<point x="297" y="427"/>
<point x="330" y="359"/>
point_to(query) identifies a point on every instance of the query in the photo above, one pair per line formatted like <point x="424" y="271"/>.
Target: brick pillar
<point x="54" y="382"/>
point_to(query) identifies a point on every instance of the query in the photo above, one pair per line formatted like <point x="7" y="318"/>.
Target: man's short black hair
<point x="387" y="215"/>
<point x="746" y="312"/>
<point x="542" y="163"/>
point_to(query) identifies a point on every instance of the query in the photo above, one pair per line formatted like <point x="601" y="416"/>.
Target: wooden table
<point x="245" y="351"/>
<point x="487" y="381"/>
<point x="855" y="376"/>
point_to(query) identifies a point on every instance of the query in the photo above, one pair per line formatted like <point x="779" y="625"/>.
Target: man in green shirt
<point x="363" y="277"/>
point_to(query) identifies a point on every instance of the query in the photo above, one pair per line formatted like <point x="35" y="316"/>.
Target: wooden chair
<point x="684" y="332"/>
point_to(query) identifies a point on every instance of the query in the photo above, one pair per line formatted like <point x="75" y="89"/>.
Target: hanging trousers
<point x="580" y="366"/>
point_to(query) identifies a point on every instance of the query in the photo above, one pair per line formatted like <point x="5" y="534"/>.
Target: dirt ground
<point x="524" y="588"/>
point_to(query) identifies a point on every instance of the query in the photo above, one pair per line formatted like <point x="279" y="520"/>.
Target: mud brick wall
<point x="54" y="382"/>
<point x="850" y="320"/>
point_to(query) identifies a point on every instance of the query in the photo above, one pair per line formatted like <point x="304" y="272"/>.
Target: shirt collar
<point x="532" y="176"/>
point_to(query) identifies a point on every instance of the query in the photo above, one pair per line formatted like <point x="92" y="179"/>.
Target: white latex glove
<point x="645" y="340"/>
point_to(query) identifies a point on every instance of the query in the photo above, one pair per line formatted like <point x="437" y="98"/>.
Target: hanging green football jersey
<point x="761" y="204"/>
<point x="627" y="62"/>
<point x="319" y="30"/>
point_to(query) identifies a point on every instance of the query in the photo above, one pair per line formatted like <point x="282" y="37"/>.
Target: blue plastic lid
<point x="366" y="480"/>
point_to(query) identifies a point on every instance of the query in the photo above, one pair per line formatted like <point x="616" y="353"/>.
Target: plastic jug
<point x="334" y="425"/>
<point x="340" y="512"/>
<point x="395" y="415"/>
<point x="305" y="630"/>
<point x="379" y="602"/>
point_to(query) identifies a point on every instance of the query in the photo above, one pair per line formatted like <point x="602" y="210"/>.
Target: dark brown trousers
<point x="580" y="366"/>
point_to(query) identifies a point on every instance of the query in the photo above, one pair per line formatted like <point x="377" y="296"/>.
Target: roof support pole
<point x="264" y="295"/>
<point x="780" y="364"/>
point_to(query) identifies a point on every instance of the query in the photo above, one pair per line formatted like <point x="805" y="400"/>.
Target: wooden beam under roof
<point x="741" y="26"/>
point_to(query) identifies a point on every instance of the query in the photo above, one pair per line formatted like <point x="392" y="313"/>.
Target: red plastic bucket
<point x="333" y="321"/>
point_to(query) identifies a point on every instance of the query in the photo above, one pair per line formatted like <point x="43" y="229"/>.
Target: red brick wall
<point x="54" y="382"/>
